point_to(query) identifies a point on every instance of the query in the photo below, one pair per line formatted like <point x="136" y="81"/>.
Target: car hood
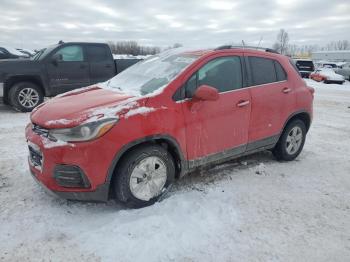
<point x="83" y="105"/>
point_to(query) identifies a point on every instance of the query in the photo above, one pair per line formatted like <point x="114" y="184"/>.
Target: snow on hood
<point x="82" y="106"/>
<point x="13" y="51"/>
<point x="139" y="111"/>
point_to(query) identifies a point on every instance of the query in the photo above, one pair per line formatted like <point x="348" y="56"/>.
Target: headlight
<point x="84" y="132"/>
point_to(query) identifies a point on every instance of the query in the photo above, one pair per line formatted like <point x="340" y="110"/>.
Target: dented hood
<point x="76" y="107"/>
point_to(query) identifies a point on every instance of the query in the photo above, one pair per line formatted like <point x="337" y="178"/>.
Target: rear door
<point x="71" y="72"/>
<point x="216" y="126"/>
<point x="101" y="63"/>
<point x="273" y="100"/>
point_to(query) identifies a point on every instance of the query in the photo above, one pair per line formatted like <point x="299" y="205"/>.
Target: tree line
<point x="282" y="46"/>
<point x="132" y="48"/>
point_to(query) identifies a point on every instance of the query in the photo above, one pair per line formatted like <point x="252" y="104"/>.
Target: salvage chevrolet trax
<point x="130" y="137"/>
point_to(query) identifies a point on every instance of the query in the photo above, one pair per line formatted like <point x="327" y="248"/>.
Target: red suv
<point x="130" y="137"/>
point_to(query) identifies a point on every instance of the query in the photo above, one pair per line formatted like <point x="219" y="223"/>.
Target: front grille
<point x="36" y="157"/>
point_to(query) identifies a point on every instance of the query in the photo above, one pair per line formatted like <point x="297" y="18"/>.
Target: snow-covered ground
<point x="251" y="209"/>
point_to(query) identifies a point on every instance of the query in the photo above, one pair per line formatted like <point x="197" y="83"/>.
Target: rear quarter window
<point x="97" y="53"/>
<point x="280" y="73"/>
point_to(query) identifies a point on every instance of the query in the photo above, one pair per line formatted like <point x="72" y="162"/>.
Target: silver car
<point x="344" y="71"/>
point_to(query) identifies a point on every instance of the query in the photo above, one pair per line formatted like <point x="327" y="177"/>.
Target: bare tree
<point x="281" y="44"/>
<point x="338" y="45"/>
<point x="176" y="45"/>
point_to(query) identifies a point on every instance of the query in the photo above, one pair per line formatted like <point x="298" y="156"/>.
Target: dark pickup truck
<point x="57" y="69"/>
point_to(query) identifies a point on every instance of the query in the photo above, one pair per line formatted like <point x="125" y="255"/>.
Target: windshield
<point x="42" y="53"/>
<point x="153" y="73"/>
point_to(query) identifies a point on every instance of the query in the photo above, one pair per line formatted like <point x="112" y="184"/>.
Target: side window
<point x="72" y="53"/>
<point x="280" y="73"/>
<point x="97" y="53"/>
<point x="263" y="70"/>
<point x="224" y="73"/>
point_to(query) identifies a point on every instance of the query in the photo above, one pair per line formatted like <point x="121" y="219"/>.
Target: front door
<point x="216" y="129"/>
<point x="69" y="73"/>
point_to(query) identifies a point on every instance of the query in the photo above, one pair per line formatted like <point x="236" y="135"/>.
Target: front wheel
<point x="143" y="175"/>
<point x="25" y="96"/>
<point x="291" y="141"/>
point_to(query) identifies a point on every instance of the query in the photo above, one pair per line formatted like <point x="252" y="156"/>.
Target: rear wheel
<point x="291" y="141"/>
<point x="25" y="96"/>
<point x="143" y="175"/>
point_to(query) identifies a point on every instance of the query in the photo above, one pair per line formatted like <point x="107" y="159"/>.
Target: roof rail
<point x="246" y="47"/>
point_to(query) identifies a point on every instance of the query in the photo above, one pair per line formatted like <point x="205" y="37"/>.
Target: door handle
<point x="286" y="90"/>
<point x="243" y="103"/>
<point x="108" y="66"/>
<point x="82" y="66"/>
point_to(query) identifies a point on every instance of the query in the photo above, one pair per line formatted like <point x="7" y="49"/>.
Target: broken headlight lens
<point x="84" y="132"/>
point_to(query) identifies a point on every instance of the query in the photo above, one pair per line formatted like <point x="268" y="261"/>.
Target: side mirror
<point x="206" y="93"/>
<point x="57" y="58"/>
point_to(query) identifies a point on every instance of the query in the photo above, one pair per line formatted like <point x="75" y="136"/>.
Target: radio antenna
<point x="261" y="38"/>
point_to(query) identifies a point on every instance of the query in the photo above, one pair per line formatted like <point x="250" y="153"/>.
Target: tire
<point x="128" y="188"/>
<point x="284" y="149"/>
<point x="25" y="104"/>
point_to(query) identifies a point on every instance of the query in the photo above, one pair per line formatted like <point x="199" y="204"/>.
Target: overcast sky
<point x="194" y="23"/>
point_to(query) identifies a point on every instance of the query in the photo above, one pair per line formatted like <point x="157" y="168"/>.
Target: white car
<point x="327" y="75"/>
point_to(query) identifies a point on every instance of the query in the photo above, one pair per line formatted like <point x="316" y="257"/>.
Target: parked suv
<point x="165" y="116"/>
<point x="305" y="67"/>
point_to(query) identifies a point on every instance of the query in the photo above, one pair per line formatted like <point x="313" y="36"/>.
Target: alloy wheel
<point x="28" y="97"/>
<point x="148" y="178"/>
